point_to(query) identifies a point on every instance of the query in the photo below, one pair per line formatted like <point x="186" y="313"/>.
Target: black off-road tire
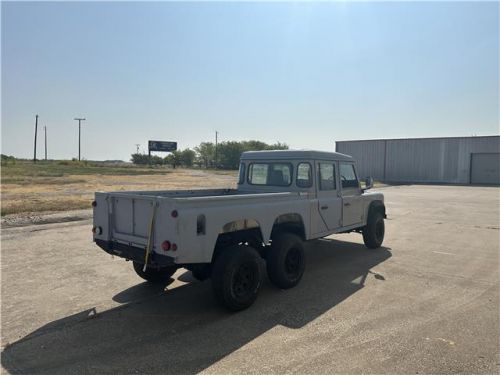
<point x="201" y="273"/>
<point x="236" y="277"/>
<point x="286" y="260"/>
<point x="155" y="275"/>
<point x="373" y="232"/>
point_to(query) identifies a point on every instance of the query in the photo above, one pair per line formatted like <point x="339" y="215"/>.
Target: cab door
<point x="328" y="193"/>
<point x="352" y="212"/>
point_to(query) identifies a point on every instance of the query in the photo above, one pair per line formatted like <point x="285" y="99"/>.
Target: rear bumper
<point x="133" y="253"/>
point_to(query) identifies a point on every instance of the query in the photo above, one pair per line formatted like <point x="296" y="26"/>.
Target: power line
<point x="79" y="134"/>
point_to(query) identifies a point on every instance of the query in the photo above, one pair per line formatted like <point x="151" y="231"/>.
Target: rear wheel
<point x="201" y="272"/>
<point x="155" y="275"/>
<point x="286" y="260"/>
<point x="236" y="277"/>
<point x="374" y="231"/>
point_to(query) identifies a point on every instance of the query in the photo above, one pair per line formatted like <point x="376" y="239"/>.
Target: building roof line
<point x="423" y="138"/>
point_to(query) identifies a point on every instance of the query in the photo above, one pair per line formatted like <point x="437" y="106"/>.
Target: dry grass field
<point x="68" y="185"/>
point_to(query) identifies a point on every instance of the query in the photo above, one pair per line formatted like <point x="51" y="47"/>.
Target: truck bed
<point x="196" y="194"/>
<point x="125" y="216"/>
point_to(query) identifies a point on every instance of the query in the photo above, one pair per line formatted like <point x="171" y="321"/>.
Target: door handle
<point x="347" y="204"/>
<point x="324" y="207"/>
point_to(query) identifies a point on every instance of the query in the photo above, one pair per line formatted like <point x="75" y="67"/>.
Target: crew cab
<point x="283" y="198"/>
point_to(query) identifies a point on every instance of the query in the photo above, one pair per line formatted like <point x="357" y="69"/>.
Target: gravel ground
<point x="18" y="220"/>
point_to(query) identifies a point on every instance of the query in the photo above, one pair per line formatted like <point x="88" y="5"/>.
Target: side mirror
<point x="368" y="183"/>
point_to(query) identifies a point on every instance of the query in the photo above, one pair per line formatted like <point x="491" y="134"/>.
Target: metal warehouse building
<point x="462" y="160"/>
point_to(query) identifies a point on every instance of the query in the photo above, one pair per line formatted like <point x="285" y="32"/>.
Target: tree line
<point x="205" y="154"/>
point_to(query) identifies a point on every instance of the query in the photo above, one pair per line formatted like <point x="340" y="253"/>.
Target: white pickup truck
<point x="283" y="198"/>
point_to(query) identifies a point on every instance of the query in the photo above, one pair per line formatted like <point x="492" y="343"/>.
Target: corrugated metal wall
<point x="418" y="159"/>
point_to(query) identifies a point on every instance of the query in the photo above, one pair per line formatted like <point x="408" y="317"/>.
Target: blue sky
<point x="302" y="73"/>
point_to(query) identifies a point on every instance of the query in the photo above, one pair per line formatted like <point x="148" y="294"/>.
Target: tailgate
<point x="125" y="217"/>
<point x="130" y="217"/>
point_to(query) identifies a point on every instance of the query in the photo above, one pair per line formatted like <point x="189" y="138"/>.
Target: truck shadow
<point x="183" y="330"/>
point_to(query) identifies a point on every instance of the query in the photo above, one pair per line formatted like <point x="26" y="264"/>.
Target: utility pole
<point x="216" y="134"/>
<point x="79" y="134"/>
<point x="45" y="128"/>
<point x="36" y="130"/>
<point x="137" y="146"/>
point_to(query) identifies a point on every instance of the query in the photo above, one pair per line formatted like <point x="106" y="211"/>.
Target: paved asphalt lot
<point x="427" y="302"/>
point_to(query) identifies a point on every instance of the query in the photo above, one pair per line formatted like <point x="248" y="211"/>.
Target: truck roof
<point x="295" y="154"/>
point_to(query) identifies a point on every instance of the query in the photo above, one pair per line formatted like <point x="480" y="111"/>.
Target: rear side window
<point x="348" y="176"/>
<point x="257" y="174"/>
<point x="241" y="177"/>
<point x="271" y="174"/>
<point x="327" y="176"/>
<point x="304" y="175"/>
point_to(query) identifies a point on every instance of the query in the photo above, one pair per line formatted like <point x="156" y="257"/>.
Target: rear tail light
<point x="174" y="247"/>
<point x="174" y="213"/>
<point x="165" y="245"/>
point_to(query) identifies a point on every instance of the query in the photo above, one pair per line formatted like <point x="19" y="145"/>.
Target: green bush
<point x="228" y="154"/>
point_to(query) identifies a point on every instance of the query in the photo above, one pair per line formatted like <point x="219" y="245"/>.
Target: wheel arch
<point x="291" y="223"/>
<point x="238" y="232"/>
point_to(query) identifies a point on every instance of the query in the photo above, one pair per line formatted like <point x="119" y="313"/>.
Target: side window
<point x="280" y="175"/>
<point x="348" y="176"/>
<point x="270" y="174"/>
<point x="241" y="178"/>
<point x="304" y="175"/>
<point x="326" y="176"/>
<point x="257" y="174"/>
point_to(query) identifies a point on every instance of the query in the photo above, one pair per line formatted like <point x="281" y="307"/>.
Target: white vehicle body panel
<point x="124" y="217"/>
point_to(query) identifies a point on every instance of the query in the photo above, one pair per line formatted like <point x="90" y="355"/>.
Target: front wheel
<point x="236" y="277"/>
<point x="373" y="232"/>
<point x="155" y="275"/>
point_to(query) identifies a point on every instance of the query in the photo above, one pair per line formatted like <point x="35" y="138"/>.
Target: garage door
<point x="485" y="168"/>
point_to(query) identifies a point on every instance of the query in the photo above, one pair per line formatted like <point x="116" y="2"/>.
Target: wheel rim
<point x="379" y="230"/>
<point x="244" y="281"/>
<point x="293" y="263"/>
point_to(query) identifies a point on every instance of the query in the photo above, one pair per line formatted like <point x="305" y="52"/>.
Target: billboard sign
<point x="162" y="146"/>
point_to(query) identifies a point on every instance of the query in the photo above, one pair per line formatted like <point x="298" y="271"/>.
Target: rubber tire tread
<point x="201" y="274"/>
<point x="276" y="260"/>
<point x="222" y="273"/>
<point x="155" y="275"/>
<point x="369" y="236"/>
